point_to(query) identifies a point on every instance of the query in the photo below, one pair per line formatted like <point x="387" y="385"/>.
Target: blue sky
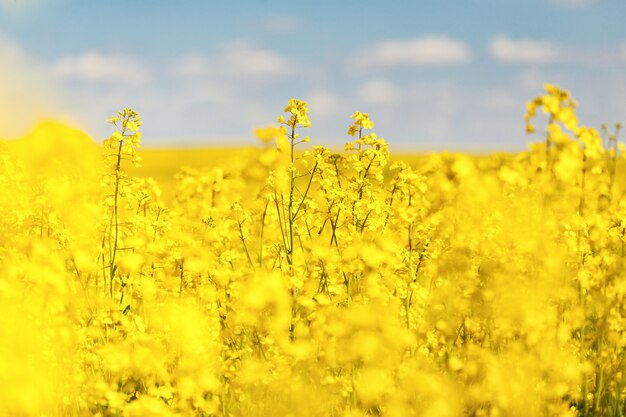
<point x="434" y="75"/>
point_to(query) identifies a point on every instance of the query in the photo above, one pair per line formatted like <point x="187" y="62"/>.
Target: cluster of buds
<point x="558" y="104"/>
<point x="361" y="121"/>
<point x="127" y="137"/>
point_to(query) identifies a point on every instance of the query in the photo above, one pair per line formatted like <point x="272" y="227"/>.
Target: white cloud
<point x="96" y="66"/>
<point x="378" y="92"/>
<point x="425" y="50"/>
<point x="18" y="7"/>
<point x="194" y="65"/>
<point x="31" y="89"/>
<point x="28" y="91"/>
<point x="323" y="103"/>
<point x="622" y="51"/>
<point x="246" y="60"/>
<point x="525" y="51"/>
<point x="237" y="60"/>
<point x="209" y="92"/>
<point x="10" y="52"/>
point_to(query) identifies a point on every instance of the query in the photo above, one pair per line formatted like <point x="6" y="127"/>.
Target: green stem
<point x="245" y="247"/>
<point x="114" y="223"/>
<point x="260" y="258"/>
<point x="306" y="192"/>
<point x="182" y="275"/>
<point x="292" y="186"/>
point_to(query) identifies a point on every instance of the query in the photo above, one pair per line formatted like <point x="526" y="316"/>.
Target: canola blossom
<point x="296" y="280"/>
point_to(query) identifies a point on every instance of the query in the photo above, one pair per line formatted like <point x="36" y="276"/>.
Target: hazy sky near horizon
<point x="434" y="75"/>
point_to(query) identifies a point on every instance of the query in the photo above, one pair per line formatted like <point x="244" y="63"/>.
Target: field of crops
<point x="287" y="279"/>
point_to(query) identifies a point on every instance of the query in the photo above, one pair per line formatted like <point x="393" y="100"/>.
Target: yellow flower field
<point x="288" y="279"/>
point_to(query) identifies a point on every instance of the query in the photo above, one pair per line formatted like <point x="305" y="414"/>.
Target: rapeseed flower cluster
<point x="310" y="282"/>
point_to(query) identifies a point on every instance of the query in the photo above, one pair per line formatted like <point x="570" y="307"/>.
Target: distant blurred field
<point x="164" y="164"/>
